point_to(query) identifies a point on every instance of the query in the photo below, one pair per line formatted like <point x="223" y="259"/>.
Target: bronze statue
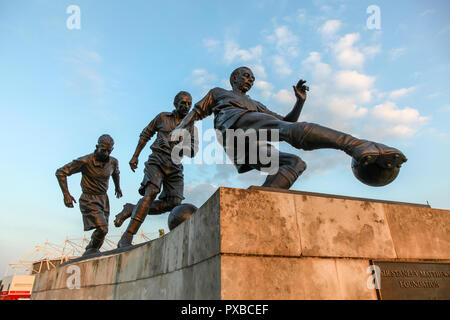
<point x="233" y="109"/>
<point x="96" y="169"/>
<point x="160" y="170"/>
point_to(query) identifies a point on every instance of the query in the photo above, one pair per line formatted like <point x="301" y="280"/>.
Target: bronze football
<point x="374" y="175"/>
<point x="180" y="214"/>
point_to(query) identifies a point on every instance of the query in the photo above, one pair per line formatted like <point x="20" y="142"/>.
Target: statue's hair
<point x="236" y="72"/>
<point x="180" y="95"/>
<point x="106" y="139"/>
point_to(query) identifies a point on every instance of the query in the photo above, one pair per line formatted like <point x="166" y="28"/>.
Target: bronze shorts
<point x="95" y="210"/>
<point x="161" y="171"/>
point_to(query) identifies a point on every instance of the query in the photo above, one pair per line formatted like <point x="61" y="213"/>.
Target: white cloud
<point x="301" y="15"/>
<point x="313" y="58"/>
<point x="397" y="122"/>
<point x="371" y="51"/>
<point x="281" y="66"/>
<point x="94" y="77"/>
<point x="416" y="75"/>
<point x="390" y="112"/>
<point x="233" y="53"/>
<point x="338" y="98"/>
<point x="211" y="44"/>
<point x="320" y="71"/>
<point x="427" y="12"/>
<point x="346" y="107"/>
<point x="434" y="95"/>
<point x="326" y="8"/>
<point x="443" y="136"/>
<point x="285" y="41"/>
<point x="263" y="85"/>
<point x="265" y="88"/>
<point x="347" y="55"/>
<point x="443" y="31"/>
<point x="86" y="64"/>
<point x="400" y="131"/>
<point x="358" y="86"/>
<point x="401" y="92"/>
<point x="91" y="56"/>
<point x="335" y="98"/>
<point x="353" y="81"/>
<point x="259" y="71"/>
<point x="397" y="53"/>
<point x="198" y="194"/>
<point x="285" y="97"/>
<point x="330" y="28"/>
<point x="203" y="79"/>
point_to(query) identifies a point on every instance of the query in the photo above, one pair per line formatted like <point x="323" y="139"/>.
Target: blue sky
<point x="60" y="89"/>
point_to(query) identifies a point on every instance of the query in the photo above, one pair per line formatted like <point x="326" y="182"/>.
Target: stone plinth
<point x="262" y="244"/>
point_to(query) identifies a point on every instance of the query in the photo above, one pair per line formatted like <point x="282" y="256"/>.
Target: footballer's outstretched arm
<point x="300" y="93"/>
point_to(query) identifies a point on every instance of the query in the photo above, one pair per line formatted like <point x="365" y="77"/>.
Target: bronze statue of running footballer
<point x="96" y="169"/>
<point x="160" y="169"/>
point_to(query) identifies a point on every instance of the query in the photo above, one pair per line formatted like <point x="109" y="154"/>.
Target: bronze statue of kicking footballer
<point x="373" y="163"/>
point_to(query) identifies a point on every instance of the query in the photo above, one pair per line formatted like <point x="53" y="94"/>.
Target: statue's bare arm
<point x="300" y="93"/>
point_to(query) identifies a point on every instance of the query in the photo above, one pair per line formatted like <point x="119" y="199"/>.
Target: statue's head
<point x="104" y="147"/>
<point x="242" y="79"/>
<point x="182" y="102"/>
